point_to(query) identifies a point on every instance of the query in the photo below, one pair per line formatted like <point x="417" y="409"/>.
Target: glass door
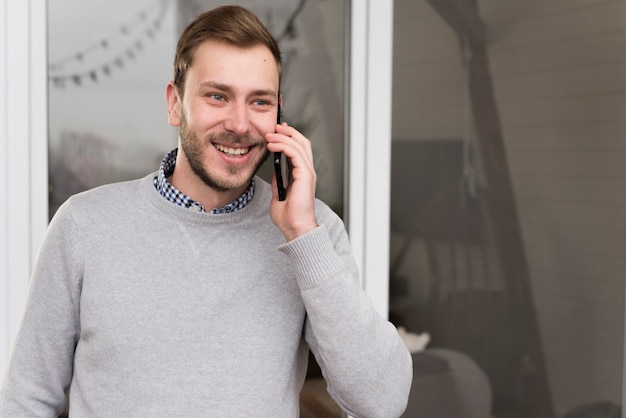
<point x="507" y="199"/>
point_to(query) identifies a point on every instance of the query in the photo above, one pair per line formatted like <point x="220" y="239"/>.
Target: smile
<point x="232" y="151"/>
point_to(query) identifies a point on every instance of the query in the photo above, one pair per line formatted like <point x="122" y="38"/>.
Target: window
<point x="508" y="209"/>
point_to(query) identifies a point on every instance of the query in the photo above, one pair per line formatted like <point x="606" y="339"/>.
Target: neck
<point x="184" y="179"/>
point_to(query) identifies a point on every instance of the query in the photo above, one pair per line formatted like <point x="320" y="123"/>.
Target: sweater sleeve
<point x="366" y="365"/>
<point x="40" y="365"/>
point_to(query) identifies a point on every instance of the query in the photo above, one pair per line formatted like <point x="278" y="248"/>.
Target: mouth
<point x="232" y="152"/>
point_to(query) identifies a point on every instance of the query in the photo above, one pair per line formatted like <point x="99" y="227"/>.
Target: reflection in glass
<point x="507" y="180"/>
<point x="108" y="71"/>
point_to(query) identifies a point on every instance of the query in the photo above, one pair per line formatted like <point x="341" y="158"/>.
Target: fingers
<point x="289" y="133"/>
<point x="292" y="143"/>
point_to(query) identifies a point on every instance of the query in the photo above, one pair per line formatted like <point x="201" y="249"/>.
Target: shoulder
<point x="107" y="194"/>
<point x="105" y="199"/>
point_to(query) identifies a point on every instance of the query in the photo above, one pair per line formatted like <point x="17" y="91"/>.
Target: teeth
<point x="232" y="151"/>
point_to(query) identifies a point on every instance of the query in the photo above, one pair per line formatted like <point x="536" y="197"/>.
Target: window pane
<point x="109" y="63"/>
<point x="507" y="200"/>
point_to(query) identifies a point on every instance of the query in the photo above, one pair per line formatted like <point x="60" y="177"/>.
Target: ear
<point x="173" y="104"/>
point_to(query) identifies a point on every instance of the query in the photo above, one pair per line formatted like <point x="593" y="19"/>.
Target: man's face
<point x="230" y="101"/>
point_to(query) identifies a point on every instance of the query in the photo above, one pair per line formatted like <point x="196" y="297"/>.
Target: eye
<point x="262" y="102"/>
<point x="216" y="96"/>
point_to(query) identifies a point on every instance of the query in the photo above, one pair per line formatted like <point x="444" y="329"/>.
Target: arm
<point x="363" y="359"/>
<point x="40" y="366"/>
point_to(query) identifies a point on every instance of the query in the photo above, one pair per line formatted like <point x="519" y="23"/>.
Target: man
<point x="195" y="291"/>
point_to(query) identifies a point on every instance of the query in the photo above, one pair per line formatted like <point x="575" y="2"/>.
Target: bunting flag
<point x="115" y="50"/>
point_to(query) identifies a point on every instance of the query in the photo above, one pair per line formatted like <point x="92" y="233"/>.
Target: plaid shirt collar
<point x="174" y="195"/>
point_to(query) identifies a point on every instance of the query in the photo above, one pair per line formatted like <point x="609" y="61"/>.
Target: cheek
<point x="265" y="124"/>
<point x="202" y="119"/>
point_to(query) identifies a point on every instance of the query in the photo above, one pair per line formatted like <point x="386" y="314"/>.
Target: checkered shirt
<point x="174" y="195"/>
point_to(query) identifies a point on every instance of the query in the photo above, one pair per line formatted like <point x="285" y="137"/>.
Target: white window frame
<point x="23" y="155"/>
<point x="369" y="156"/>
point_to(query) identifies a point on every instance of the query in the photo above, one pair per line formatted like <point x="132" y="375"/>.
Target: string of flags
<point x="120" y="47"/>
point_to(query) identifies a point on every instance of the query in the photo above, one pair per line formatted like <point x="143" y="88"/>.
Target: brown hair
<point x="233" y="25"/>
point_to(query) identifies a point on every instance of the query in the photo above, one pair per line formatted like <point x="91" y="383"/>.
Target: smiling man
<point x="195" y="291"/>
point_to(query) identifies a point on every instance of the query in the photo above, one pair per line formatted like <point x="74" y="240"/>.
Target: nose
<point x="237" y="120"/>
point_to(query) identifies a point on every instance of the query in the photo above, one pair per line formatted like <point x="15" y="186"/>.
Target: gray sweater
<point x="145" y="308"/>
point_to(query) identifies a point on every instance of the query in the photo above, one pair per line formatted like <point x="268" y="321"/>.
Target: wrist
<point x="299" y="230"/>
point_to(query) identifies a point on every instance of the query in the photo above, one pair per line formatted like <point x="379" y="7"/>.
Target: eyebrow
<point x="229" y="89"/>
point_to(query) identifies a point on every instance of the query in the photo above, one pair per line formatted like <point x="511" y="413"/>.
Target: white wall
<point x="23" y="154"/>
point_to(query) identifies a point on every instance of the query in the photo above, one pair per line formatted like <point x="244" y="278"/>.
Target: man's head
<point x="224" y="98"/>
<point x="233" y="25"/>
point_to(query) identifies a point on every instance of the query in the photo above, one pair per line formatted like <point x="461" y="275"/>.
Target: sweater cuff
<point x="313" y="257"/>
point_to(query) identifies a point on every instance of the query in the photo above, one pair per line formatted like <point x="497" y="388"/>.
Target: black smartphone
<point x="281" y="166"/>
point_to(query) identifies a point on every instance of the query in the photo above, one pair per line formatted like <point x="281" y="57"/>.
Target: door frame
<point x="23" y="154"/>
<point x="369" y="144"/>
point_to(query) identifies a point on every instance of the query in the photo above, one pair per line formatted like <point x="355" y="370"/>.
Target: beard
<point x="238" y="177"/>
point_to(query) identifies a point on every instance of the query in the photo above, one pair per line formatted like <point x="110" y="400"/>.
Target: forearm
<point x="365" y="362"/>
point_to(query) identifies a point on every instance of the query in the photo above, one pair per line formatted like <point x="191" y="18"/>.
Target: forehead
<point x="232" y="65"/>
